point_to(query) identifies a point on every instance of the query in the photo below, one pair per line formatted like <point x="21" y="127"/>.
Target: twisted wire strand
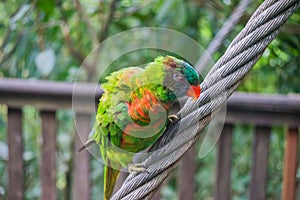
<point x="219" y="38"/>
<point x="218" y="85"/>
<point x="266" y="12"/>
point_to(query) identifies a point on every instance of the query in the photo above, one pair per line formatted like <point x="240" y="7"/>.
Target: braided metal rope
<point x="219" y="38"/>
<point x="219" y="84"/>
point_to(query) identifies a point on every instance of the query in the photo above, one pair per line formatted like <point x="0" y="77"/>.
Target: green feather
<point x="112" y="115"/>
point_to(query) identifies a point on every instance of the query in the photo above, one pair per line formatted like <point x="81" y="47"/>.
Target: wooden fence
<point x="263" y="111"/>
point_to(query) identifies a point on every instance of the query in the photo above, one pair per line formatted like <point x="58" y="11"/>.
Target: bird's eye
<point x="178" y="77"/>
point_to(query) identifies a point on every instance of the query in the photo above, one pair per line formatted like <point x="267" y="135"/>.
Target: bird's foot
<point x="137" y="167"/>
<point x="173" y="118"/>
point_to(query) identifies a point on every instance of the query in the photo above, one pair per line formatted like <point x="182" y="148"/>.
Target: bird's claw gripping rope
<point x="137" y="167"/>
<point x="173" y="119"/>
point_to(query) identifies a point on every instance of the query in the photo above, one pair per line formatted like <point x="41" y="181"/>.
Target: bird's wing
<point x="112" y="108"/>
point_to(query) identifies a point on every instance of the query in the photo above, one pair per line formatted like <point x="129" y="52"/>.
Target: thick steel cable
<point x="218" y="85"/>
<point x="219" y="38"/>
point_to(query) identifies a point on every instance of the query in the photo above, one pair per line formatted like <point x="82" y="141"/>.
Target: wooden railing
<point x="263" y="111"/>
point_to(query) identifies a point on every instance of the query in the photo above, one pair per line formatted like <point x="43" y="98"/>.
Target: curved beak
<point x="194" y="91"/>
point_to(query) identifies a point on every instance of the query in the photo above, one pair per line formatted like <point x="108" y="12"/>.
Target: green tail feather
<point x="110" y="178"/>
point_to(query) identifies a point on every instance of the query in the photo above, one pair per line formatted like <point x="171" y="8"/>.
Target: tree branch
<point x="132" y="10"/>
<point x="103" y="33"/>
<point x="10" y="53"/>
<point x="82" y="14"/>
<point x="219" y="38"/>
<point x="77" y="55"/>
<point x="66" y="34"/>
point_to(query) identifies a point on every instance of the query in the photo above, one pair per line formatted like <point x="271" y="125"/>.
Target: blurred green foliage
<point x="69" y="30"/>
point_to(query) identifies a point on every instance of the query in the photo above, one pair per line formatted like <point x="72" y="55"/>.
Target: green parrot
<point x="133" y="111"/>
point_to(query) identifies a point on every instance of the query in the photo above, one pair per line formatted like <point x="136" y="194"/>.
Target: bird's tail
<point x="110" y="178"/>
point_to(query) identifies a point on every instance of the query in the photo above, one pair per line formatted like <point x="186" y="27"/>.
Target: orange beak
<point x="194" y="91"/>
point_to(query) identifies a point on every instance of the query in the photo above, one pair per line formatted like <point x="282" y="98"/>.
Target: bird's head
<point x="180" y="77"/>
<point x="171" y="78"/>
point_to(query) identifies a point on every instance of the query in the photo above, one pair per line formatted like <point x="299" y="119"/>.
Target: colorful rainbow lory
<point x="133" y="111"/>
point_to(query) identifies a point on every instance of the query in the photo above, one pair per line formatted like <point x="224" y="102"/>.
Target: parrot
<point x="133" y="111"/>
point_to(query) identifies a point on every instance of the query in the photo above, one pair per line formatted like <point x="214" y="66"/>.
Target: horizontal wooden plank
<point x="263" y="110"/>
<point x="43" y="87"/>
<point x="261" y="118"/>
<point x="265" y="102"/>
<point x="258" y="109"/>
<point x="48" y="95"/>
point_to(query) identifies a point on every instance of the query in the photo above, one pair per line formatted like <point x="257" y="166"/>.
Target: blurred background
<point x="49" y="40"/>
